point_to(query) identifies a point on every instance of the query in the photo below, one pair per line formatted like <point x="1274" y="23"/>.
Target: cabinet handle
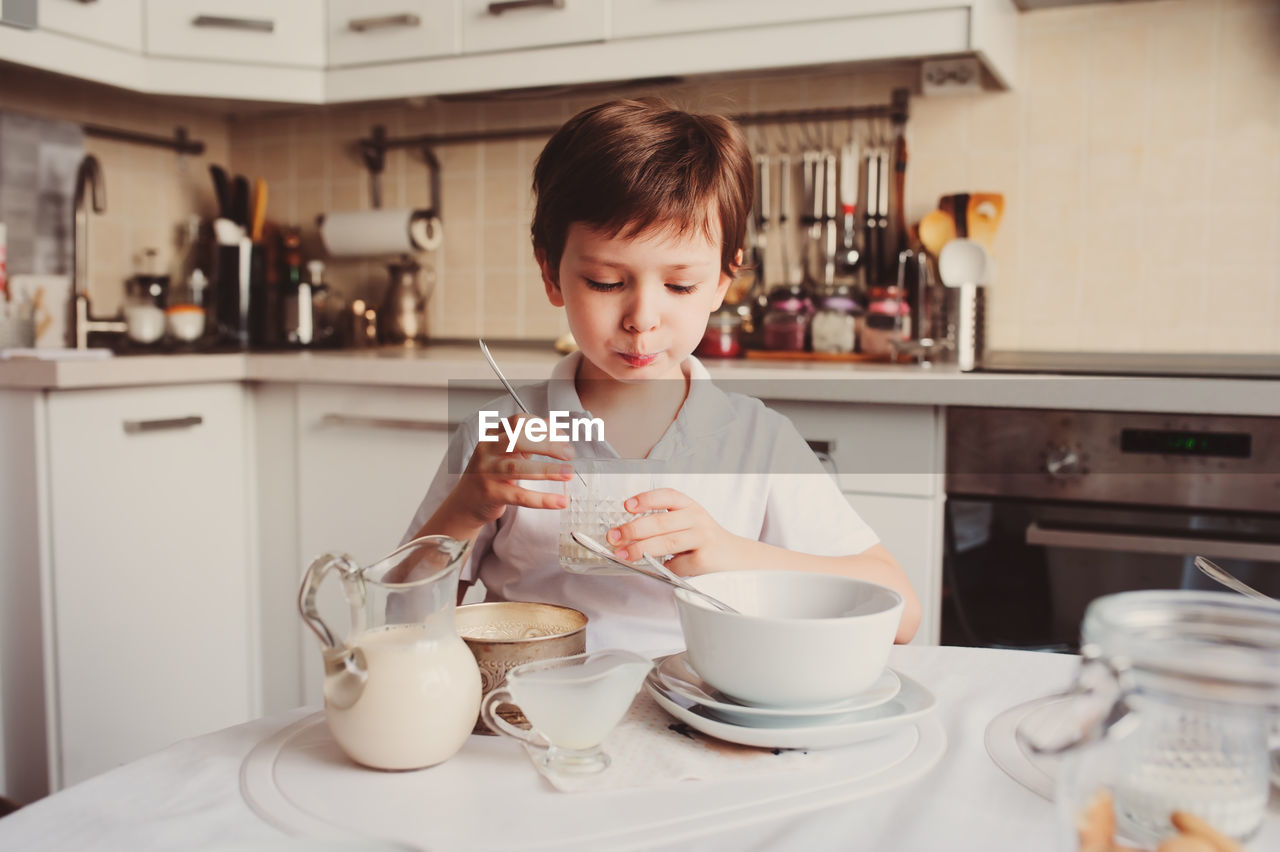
<point x="515" y="5"/>
<point x="1136" y="542"/>
<point x="132" y="427"/>
<point x="257" y="25"/>
<point x="387" y="423"/>
<point x="361" y="25"/>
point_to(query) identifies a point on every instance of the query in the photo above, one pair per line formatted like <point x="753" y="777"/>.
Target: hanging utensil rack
<point x="374" y="147"/>
<point x="180" y="142"/>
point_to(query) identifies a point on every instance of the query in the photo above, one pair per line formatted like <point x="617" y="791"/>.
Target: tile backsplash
<point x="1139" y="155"/>
<point x="149" y="191"/>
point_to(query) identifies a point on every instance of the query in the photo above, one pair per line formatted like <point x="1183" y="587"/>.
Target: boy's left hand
<point x="681" y="527"/>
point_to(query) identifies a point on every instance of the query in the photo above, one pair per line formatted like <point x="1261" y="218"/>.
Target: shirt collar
<point x="706" y="410"/>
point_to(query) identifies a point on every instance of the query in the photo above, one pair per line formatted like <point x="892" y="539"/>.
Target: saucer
<point x="675" y="674"/>
<point x="912" y="702"/>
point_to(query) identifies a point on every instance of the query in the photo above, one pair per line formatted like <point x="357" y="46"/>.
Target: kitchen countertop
<point x="887" y="384"/>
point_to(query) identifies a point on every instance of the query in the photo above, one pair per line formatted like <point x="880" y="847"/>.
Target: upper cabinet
<point x="116" y="23"/>
<point x="364" y="32"/>
<point x="308" y="51"/>
<point x="257" y="32"/>
<point x="489" y="25"/>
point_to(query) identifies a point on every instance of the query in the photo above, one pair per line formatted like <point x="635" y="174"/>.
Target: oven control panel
<point x="1230" y="463"/>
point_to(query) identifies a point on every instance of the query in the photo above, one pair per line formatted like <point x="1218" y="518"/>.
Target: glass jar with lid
<point x="723" y="337"/>
<point x="786" y="321"/>
<point x="835" y="322"/>
<point x="1171" y="712"/>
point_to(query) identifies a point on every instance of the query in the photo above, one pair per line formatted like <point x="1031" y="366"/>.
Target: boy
<point x="638" y="229"/>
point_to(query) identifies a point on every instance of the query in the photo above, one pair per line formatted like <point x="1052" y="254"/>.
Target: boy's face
<point x="637" y="305"/>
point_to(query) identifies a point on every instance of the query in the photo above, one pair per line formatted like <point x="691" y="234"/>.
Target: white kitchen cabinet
<point x="632" y="18"/>
<point x="275" y="50"/>
<point x="117" y="23"/>
<point x="373" y="31"/>
<point x="888" y="460"/>
<point x="911" y="529"/>
<point x="127" y="619"/>
<point x="365" y="459"/>
<point x="152" y="635"/>
<point x="492" y="25"/>
<point x="261" y="32"/>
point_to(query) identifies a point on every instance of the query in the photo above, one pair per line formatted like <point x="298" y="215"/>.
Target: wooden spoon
<point x="936" y="230"/>
<point x="986" y="209"/>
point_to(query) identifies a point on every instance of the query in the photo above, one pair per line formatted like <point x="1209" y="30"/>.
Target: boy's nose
<point x="641" y="315"/>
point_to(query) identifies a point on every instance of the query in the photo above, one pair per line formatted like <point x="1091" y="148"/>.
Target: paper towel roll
<point x="403" y="230"/>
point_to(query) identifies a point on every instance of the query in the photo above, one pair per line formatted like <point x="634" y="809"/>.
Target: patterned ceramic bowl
<point x="503" y="635"/>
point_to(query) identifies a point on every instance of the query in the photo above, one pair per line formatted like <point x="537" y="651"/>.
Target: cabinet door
<point x="152" y="597"/>
<point x="911" y="529"/>
<point x="881" y="449"/>
<point x="368" y="31"/>
<point x="489" y="25"/>
<point x="657" y="17"/>
<point x="114" y="22"/>
<point x="261" y="32"/>
<point x="365" y="459"/>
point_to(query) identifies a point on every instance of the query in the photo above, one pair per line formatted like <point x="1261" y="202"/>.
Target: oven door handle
<point x="1260" y="551"/>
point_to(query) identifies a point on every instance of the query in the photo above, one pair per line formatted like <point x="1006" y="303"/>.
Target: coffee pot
<point x="401" y="689"/>
<point x="402" y="317"/>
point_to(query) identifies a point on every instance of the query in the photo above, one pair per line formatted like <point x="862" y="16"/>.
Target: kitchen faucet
<point x="89" y="183"/>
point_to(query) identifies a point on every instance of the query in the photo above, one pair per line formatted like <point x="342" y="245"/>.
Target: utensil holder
<point x="240" y="304"/>
<point x="967" y="324"/>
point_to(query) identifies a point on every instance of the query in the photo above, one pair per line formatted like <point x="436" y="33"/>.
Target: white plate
<point x="1038" y="773"/>
<point x="911" y="703"/>
<point x="675" y="673"/>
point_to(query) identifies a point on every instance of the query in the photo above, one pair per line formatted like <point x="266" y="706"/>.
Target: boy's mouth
<point x="636" y="360"/>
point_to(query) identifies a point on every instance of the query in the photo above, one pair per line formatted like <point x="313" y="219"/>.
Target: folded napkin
<point x="649" y="748"/>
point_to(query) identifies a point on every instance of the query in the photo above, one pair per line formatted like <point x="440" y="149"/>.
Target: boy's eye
<point x="603" y="286"/>
<point x="682" y="289"/>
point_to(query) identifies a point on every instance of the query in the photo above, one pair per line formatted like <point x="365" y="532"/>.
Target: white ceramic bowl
<point x="799" y="639"/>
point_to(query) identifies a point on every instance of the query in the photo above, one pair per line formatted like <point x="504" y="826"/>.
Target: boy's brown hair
<point x="628" y="165"/>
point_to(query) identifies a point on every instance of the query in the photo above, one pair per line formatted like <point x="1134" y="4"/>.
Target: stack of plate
<point x="892" y="701"/>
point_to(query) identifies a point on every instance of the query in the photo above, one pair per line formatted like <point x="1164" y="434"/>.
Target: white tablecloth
<point x="188" y="796"/>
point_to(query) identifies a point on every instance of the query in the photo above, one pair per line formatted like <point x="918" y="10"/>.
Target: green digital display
<point x="1236" y="445"/>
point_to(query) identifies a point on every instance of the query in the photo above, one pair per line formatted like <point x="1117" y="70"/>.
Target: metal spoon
<point x="655" y="571"/>
<point x="512" y="391"/>
<point x="1220" y="574"/>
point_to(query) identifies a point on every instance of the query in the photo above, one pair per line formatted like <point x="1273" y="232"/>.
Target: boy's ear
<point x="725" y="280"/>
<point x="550" y="279"/>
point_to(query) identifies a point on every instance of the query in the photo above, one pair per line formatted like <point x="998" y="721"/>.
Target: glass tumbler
<point x="1171" y="711"/>
<point x="597" y="498"/>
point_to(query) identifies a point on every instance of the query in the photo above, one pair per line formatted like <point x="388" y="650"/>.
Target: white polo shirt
<point x="743" y="462"/>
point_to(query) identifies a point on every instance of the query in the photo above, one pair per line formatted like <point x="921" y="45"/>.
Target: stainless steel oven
<point x="1048" y="509"/>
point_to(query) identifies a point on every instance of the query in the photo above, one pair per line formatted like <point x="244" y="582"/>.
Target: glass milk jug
<point x="1171" y="711"/>
<point x="402" y="689"/>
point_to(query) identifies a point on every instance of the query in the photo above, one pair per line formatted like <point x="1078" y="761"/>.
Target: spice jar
<point x="835" y="322"/>
<point x="786" y="321"/>
<point x="723" y="337"/>
<point x="1170" y="712"/>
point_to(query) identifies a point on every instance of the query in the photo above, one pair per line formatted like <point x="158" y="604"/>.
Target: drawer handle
<point x="361" y="25"/>
<point x="256" y="25"/>
<point x="388" y="423"/>
<point x="132" y="427"/>
<point x="516" y="5"/>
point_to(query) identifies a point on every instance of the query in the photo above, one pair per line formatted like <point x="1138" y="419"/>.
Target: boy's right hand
<point x="491" y="481"/>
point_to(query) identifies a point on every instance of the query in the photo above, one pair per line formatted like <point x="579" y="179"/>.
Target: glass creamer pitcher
<point x="402" y="690"/>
